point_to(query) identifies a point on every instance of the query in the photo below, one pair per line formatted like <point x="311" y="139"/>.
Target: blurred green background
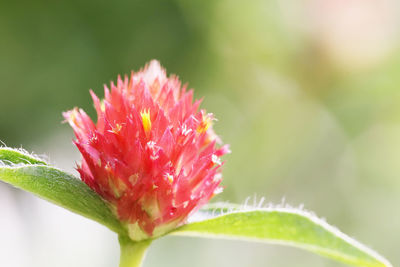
<point x="306" y="92"/>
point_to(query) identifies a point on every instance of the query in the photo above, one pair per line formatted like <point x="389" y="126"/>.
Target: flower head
<point x="152" y="154"/>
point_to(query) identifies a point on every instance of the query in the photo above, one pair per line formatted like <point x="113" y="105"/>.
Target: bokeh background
<point x="306" y="92"/>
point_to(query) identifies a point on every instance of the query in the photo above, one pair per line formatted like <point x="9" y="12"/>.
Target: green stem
<point x="132" y="253"/>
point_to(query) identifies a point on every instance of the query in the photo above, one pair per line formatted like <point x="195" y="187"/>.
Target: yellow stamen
<point x="169" y="177"/>
<point x="146" y="120"/>
<point x="116" y="129"/>
<point x="205" y="123"/>
<point x="102" y="106"/>
<point x="72" y="116"/>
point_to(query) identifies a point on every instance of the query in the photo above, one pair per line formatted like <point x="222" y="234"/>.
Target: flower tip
<point x="154" y="63"/>
<point x="226" y="149"/>
<point x="154" y="71"/>
<point x="70" y="115"/>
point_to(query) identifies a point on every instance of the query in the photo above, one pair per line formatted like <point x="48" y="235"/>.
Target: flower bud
<point x="152" y="154"/>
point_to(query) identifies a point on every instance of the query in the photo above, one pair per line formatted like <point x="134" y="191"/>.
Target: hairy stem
<point x="132" y="253"/>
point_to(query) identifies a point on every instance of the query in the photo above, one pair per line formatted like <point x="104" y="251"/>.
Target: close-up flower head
<point x="152" y="154"/>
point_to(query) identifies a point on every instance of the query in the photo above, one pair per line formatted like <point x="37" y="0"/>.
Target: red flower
<point x="152" y="154"/>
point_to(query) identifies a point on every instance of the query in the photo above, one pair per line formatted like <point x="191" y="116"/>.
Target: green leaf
<point x="10" y="157"/>
<point x="32" y="174"/>
<point x="284" y="226"/>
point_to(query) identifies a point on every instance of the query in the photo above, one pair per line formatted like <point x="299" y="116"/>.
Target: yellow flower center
<point x="146" y="120"/>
